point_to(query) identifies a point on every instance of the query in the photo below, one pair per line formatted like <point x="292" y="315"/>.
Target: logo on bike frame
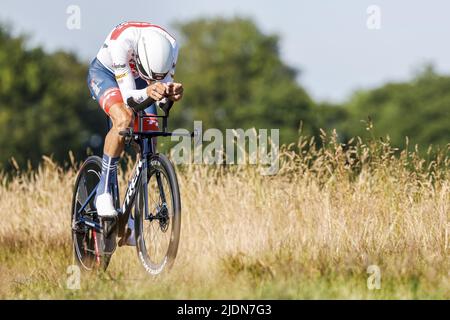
<point x="132" y="188"/>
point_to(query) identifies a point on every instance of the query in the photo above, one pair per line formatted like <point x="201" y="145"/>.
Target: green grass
<point x="42" y="273"/>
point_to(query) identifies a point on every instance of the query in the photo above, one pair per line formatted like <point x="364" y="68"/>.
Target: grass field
<point x="309" y="232"/>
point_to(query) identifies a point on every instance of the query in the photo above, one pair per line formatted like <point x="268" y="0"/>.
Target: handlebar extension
<point x="147" y="102"/>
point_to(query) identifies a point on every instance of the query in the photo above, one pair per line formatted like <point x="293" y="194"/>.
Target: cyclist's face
<point x="156" y="77"/>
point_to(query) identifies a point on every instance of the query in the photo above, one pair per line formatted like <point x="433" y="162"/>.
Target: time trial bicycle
<point x="152" y="198"/>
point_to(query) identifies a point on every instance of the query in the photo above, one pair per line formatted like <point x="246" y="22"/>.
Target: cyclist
<point x="136" y="60"/>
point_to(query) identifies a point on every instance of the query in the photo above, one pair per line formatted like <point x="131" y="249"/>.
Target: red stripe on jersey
<point x="123" y="26"/>
<point x="110" y="98"/>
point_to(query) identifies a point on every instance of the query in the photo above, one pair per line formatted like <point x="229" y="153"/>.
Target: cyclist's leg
<point x="104" y="89"/>
<point x="121" y="117"/>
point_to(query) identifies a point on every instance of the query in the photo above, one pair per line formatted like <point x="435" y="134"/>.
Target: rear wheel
<point x="158" y="233"/>
<point x="93" y="240"/>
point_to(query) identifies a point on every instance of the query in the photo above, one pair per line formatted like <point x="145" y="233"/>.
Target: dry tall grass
<point x="310" y="231"/>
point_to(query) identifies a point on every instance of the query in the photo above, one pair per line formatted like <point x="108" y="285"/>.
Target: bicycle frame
<point x="146" y="150"/>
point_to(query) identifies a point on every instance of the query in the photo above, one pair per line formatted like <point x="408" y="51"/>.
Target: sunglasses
<point x="144" y="75"/>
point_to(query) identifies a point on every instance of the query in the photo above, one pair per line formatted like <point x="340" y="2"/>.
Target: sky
<point x="328" y="41"/>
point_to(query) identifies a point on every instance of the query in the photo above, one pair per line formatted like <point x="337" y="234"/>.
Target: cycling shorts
<point x="105" y="90"/>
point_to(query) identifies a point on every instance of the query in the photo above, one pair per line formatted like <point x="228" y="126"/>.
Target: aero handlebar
<point x="147" y="102"/>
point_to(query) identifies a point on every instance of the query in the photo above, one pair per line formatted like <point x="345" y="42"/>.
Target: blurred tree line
<point x="234" y="78"/>
<point x="418" y="109"/>
<point x="45" y="107"/>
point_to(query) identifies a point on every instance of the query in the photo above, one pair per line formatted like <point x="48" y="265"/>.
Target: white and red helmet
<point x="154" y="56"/>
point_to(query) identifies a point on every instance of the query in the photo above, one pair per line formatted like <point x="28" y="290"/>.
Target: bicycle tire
<point x="159" y="163"/>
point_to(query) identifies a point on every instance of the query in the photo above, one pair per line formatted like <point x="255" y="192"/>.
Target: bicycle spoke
<point x="159" y="235"/>
<point x="158" y="189"/>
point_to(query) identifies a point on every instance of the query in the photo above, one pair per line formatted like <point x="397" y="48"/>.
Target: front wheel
<point x="158" y="216"/>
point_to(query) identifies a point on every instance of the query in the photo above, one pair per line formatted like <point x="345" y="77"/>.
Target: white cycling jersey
<point x="118" y="55"/>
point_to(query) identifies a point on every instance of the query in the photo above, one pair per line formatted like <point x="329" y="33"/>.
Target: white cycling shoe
<point x="105" y="207"/>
